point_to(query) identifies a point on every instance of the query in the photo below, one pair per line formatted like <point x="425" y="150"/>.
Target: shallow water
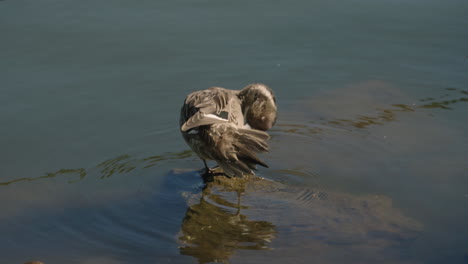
<point x="368" y="160"/>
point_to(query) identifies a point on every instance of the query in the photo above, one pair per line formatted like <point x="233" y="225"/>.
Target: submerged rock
<point x="292" y="223"/>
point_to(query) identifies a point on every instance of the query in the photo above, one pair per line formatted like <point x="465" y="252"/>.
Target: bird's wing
<point x="201" y="119"/>
<point x="210" y="105"/>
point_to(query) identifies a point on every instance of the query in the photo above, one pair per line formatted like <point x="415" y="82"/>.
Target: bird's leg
<point x="208" y="175"/>
<point x="208" y="170"/>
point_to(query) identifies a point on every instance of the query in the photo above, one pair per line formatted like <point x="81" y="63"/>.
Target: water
<point x="368" y="160"/>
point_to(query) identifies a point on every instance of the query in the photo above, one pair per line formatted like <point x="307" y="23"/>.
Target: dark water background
<point x="369" y="158"/>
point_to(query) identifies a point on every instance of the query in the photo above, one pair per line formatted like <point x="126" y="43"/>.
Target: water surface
<point x="368" y="160"/>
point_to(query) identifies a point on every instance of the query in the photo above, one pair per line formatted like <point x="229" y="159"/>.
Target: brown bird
<point x="228" y="126"/>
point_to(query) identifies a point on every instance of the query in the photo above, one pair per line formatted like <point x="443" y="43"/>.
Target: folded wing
<point x="205" y="108"/>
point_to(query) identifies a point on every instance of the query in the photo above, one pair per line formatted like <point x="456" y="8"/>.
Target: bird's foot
<point x="208" y="174"/>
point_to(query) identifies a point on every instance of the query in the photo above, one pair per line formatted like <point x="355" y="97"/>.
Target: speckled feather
<point x="212" y="123"/>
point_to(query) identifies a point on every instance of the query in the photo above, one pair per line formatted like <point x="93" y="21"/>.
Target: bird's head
<point x="258" y="106"/>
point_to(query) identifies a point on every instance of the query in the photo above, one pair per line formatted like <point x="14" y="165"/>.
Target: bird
<point x="228" y="126"/>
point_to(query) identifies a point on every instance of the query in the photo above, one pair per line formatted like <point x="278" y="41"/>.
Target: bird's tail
<point x="241" y="149"/>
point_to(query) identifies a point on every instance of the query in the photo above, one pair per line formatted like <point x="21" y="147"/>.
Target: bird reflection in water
<point x="214" y="228"/>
